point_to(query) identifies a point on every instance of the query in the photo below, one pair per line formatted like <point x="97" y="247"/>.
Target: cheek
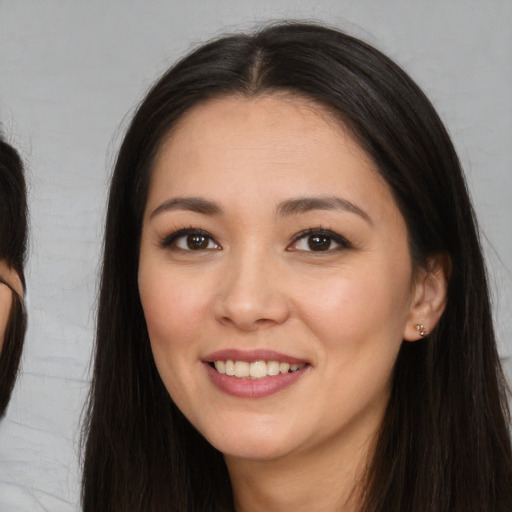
<point x="173" y="314"/>
<point x="363" y="304"/>
<point x="175" y="307"/>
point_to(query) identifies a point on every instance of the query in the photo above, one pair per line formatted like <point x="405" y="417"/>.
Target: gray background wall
<point x="70" y="75"/>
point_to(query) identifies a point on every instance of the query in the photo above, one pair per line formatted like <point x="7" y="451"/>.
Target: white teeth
<point x="241" y="369"/>
<point x="284" y="367"/>
<point x="230" y="368"/>
<point x="256" y="369"/>
<point x="273" y="368"/>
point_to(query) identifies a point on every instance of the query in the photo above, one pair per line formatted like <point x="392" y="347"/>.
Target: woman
<point x="13" y="242"/>
<point x="294" y="311"/>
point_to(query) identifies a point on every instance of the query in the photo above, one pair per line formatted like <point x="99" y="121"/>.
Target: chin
<point x="248" y="443"/>
<point x="253" y="450"/>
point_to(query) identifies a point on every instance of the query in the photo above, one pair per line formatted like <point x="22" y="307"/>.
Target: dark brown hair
<point x="444" y="445"/>
<point x="13" y="246"/>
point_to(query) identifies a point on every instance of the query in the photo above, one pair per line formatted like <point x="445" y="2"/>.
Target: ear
<point x="428" y="296"/>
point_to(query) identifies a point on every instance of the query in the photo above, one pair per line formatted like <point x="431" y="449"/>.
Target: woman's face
<point x="272" y="248"/>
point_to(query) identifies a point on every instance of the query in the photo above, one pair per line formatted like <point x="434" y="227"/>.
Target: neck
<point x="324" y="480"/>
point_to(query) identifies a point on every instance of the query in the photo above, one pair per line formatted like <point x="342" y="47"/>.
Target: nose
<point x="250" y="294"/>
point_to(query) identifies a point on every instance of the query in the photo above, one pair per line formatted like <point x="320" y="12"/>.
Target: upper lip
<point x="251" y="356"/>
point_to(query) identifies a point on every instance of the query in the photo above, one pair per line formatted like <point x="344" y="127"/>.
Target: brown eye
<point x="190" y="240"/>
<point x="197" y="242"/>
<point x="319" y="243"/>
<point x="319" y="240"/>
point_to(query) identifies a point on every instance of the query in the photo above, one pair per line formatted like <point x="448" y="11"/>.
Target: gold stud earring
<point x="421" y="329"/>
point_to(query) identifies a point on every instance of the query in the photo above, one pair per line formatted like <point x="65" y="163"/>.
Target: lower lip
<point x="254" y="388"/>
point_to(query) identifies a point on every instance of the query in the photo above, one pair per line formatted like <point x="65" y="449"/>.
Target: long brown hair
<point x="444" y="445"/>
<point x="13" y="246"/>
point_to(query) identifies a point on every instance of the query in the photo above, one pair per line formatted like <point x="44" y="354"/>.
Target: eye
<point x="190" y="240"/>
<point x="319" y="240"/>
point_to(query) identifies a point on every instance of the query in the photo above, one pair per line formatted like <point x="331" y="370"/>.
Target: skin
<point x="11" y="277"/>
<point x="5" y="308"/>
<point x="345" y="310"/>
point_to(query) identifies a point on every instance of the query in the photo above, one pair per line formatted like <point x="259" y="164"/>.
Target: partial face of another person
<point x="5" y="309"/>
<point x="275" y="277"/>
<point x="12" y="278"/>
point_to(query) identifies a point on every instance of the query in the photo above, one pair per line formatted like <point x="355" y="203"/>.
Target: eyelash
<point x="171" y="239"/>
<point x="342" y="242"/>
<point x="330" y="236"/>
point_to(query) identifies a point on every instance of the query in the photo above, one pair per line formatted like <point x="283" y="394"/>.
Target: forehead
<point x="266" y="146"/>
<point x="286" y="117"/>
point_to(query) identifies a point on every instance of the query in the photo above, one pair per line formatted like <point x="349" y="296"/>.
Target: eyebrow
<point x="306" y="204"/>
<point x="192" y="204"/>
<point x="284" y="209"/>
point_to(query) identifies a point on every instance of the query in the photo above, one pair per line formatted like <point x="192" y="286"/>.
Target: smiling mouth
<point x="256" y="369"/>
